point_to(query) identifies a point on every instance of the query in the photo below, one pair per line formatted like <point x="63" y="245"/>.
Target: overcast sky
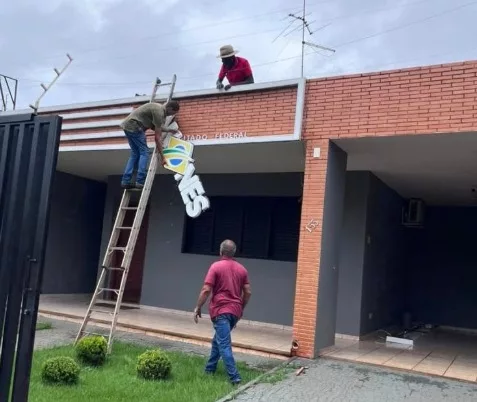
<point x="120" y="46"/>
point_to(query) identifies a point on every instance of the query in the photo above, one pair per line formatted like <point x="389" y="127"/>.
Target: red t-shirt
<point x="227" y="278"/>
<point x="238" y="73"/>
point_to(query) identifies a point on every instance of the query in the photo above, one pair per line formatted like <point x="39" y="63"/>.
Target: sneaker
<point x="127" y="186"/>
<point x="139" y="186"/>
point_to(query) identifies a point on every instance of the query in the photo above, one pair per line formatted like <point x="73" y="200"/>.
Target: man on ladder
<point x="148" y="116"/>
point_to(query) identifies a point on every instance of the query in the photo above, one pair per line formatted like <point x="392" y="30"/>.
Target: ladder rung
<point x="124" y="227"/>
<point x="118" y="248"/>
<point x="109" y="290"/>
<point x="102" y="311"/>
<point x="93" y="333"/>
<point x="129" y="208"/>
<point x="115" y="268"/>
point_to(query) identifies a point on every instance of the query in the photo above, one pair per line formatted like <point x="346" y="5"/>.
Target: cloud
<point x="120" y="46"/>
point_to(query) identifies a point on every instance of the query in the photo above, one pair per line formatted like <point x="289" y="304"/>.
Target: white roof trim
<point x="299" y="109"/>
<point x="178" y="95"/>
<point x="97" y="113"/>
<point x="76" y="137"/>
<point x="91" y="124"/>
<point x="218" y="141"/>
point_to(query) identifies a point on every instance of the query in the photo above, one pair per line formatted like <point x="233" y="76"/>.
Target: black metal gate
<point x="28" y="153"/>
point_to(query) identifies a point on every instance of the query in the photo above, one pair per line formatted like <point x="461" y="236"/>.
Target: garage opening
<point x="408" y="261"/>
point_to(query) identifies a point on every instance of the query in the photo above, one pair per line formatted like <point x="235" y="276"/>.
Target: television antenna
<point x="304" y="24"/>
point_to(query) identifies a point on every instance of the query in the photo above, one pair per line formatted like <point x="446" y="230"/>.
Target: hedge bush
<point x="60" y="370"/>
<point x="92" y="350"/>
<point x="154" y="365"/>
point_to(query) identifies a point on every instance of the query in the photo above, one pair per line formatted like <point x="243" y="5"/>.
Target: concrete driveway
<point x="337" y="381"/>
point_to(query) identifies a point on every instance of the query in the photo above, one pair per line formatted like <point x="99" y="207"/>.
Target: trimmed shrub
<point x="92" y="350"/>
<point x="154" y="365"/>
<point x="60" y="370"/>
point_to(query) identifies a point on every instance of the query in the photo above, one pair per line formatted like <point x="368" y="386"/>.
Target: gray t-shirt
<point x="149" y="115"/>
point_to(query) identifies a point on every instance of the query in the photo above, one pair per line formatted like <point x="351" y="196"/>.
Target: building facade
<point x="312" y="179"/>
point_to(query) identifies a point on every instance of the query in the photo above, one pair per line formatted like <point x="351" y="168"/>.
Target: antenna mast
<point x="305" y="26"/>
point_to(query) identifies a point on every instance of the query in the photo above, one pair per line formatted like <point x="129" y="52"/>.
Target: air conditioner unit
<point x="413" y="213"/>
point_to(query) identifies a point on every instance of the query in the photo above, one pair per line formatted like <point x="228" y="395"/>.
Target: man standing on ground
<point x="228" y="282"/>
<point x="236" y="69"/>
<point x="148" y="116"/>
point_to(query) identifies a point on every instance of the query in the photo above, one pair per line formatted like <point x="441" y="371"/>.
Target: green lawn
<point x="117" y="380"/>
<point x="40" y="326"/>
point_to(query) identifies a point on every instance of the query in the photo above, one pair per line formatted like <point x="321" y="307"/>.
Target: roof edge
<point x="396" y="71"/>
<point x="178" y="95"/>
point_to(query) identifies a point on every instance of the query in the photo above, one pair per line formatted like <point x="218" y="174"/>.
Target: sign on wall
<point x="178" y="154"/>
<point x="218" y="136"/>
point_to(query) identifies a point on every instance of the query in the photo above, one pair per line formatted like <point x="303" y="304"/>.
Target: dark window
<point x="262" y="227"/>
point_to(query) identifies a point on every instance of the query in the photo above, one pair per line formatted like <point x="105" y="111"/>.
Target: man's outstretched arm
<point x="160" y="148"/>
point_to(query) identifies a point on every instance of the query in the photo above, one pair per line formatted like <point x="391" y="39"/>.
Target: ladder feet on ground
<point x="119" y="228"/>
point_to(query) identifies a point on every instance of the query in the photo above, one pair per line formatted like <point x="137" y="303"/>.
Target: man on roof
<point x="236" y="69"/>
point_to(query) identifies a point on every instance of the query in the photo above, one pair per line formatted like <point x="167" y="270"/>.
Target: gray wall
<point x="74" y="237"/>
<point x="173" y="280"/>
<point x="384" y="260"/>
<point x="429" y="272"/>
<point x="330" y="247"/>
<point x="372" y="288"/>
<point x="442" y="273"/>
<point x="353" y="234"/>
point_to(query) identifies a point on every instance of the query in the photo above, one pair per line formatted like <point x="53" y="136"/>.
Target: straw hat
<point x="227" y="51"/>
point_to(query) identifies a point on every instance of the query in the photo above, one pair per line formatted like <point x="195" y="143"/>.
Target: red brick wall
<point x="257" y="113"/>
<point x="441" y="98"/>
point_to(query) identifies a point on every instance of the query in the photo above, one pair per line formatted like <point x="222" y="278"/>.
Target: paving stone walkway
<point x="329" y="380"/>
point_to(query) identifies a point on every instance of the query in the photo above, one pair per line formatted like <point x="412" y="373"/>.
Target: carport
<point x="408" y="257"/>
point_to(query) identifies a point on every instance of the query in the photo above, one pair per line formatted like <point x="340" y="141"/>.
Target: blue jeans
<point x="138" y="158"/>
<point x="222" y="346"/>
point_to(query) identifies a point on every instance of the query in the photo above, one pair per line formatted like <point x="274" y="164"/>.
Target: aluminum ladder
<point x="128" y="251"/>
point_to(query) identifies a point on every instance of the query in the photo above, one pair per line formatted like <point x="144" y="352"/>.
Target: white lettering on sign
<point x="195" y="137"/>
<point x="239" y="134"/>
<point x="192" y="192"/>
<point x="223" y="136"/>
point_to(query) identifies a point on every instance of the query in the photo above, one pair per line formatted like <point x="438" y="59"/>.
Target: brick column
<point x="306" y="294"/>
